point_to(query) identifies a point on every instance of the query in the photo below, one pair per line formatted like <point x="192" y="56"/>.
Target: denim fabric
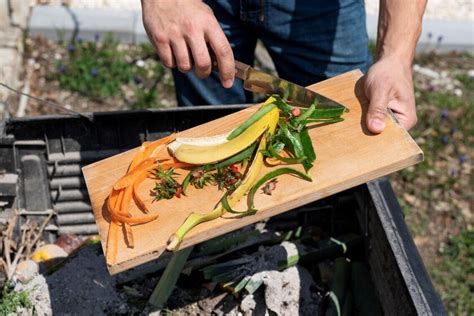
<point x="308" y="40"/>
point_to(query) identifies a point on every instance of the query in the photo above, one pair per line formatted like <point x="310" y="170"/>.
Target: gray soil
<point x="83" y="286"/>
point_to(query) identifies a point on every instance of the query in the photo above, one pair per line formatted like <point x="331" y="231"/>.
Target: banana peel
<point x="202" y="151"/>
<point x="270" y="122"/>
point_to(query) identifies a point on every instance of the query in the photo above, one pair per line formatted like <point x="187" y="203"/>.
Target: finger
<point x="181" y="55"/>
<point x="201" y="57"/>
<point x="404" y="112"/>
<point x="377" y="109"/>
<point x="224" y="55"/>
<point x="166" y="55"/>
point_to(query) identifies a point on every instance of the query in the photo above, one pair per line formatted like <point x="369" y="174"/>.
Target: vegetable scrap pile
<point x="276" y="134"/>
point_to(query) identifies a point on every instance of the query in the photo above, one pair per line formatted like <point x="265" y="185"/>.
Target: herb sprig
<point x="166" y="186"/>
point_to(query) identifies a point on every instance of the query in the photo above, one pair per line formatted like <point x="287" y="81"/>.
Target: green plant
<point x="466" y="80"/>
<point x="104" y="69"/>
<point x="11" y="300"/>
<point x="454" y="275"/>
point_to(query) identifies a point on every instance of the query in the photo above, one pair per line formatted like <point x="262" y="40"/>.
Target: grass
<point x="103" y="69"/>
<point x="11" y="300"/>
<point x="455" y="273"/>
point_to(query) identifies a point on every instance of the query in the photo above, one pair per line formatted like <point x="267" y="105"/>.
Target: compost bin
<point x="40" y="169"/>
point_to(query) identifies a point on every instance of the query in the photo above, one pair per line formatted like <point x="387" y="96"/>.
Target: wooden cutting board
<point x="347" y="155"/>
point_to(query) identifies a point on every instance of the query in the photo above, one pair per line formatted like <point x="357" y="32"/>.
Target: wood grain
<point x="347" y="155"/>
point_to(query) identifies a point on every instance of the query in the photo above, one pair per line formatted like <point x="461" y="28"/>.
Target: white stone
<point x="4" y="14"/>
<point x="19" y="12"/>
<point x="427" y="72"/>
<point x="26" y="271"/>
<point x="470" y="73"/>
<point x="38" y="293"/>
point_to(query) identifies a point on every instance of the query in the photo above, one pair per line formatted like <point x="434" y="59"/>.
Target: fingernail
<point x="228" y="83"/>
<point x="377" y="125"/>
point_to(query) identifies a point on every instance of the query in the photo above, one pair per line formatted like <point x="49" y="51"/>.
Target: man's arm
<point x="182" y="30"/>
<point x="389" y="82"/>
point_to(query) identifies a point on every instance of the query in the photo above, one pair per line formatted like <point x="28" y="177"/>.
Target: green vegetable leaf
<point x="251" y="120"/>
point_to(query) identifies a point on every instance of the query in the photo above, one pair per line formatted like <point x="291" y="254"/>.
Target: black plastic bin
<point x="41" y="157"/>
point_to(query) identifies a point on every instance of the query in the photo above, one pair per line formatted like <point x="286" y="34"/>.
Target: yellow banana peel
<point x="205" y="150"/>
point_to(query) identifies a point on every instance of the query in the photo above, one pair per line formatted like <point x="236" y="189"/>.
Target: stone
<point x="38" y="293"/>
<point x="19" y="12"/>
<point x="4" y="14"/>
<point x="427" y="72"/>
<point x="68" y="242"/>
<point x="470" y="73"/>
<point x="10" y="37"/>
<point x="48" y="252"/>
<point x="26" y="271"/>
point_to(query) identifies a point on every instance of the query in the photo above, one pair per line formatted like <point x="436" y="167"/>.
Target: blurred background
<point x="94" y="56"/>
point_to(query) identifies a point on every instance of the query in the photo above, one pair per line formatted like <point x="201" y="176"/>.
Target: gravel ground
<point x="437" y="9"/>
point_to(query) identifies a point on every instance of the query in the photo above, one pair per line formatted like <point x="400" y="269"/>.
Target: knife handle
<point x="241" y="69"/>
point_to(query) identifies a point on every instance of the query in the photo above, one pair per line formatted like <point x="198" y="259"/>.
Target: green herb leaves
<point x="166" y="187"/>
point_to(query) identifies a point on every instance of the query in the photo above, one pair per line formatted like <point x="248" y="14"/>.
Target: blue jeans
<point x="308" y="40"/>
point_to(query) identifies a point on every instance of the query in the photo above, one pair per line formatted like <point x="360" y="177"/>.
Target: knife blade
<point x="296" y="95"/>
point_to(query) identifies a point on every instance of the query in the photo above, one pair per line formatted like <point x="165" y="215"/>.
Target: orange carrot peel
<point x="126" y="189"/>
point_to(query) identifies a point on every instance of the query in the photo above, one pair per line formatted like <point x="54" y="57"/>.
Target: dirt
<point x="84" y="283"/>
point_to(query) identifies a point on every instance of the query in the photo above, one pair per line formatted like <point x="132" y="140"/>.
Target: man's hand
<point x="389" y="85"/>
<point x="181" y="31"/>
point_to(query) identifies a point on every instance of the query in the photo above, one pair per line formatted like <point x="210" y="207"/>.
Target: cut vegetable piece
<point x="291" y="139"/>
<point x="239" y="214"/>
<point x="306" y="114"/>
<point x="135" y="220"/>
<point x="198" y="154"/>
<point x="155" y="144"/>
<point x="138" y="156"/>
<point x="136" y="197"/>
<point x="288" y="160"/>
<point x="147" y="148"/>
<point x="282" y="105"/>
<point x="327" y="113"/>
<point x="308" y="149"/>
<point x="130" y="177"/>
<point x="112" y="243"/>
<point x="112" y="200"/>
<point x="129" y="240"/>
<point x="244" y="154"/>
<point x="271" y="175"/>
<point x="251" y="120"/>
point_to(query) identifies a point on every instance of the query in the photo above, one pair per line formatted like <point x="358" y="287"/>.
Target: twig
<point x="30" y="236"/>
<point x="7" y="240"/>
<point x="41" y="230"/>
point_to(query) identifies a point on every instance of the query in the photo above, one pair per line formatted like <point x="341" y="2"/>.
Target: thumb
<point x="377" y="110"/>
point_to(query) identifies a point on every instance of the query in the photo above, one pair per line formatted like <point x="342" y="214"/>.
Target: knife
<point x="296" y="95"/>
